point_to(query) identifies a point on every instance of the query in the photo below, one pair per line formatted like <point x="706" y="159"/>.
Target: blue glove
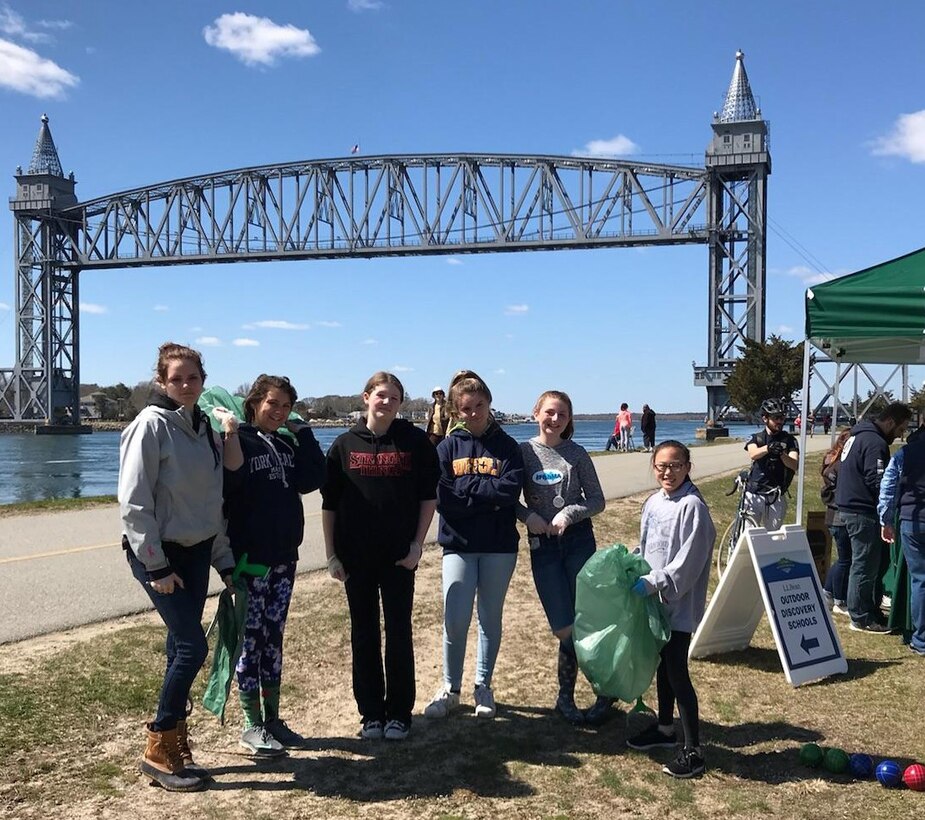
<point x="641" y="589"/>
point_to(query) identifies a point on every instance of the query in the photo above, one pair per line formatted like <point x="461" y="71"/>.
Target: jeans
<point x="181" y="611"/>
<point x="913" y="538"/>
<point x="867" y="551"/>
<point x="836" y="581"/>
<point x="465" y="575"/>
<point x="388" y="696"/>
<point x="556" y="562"/>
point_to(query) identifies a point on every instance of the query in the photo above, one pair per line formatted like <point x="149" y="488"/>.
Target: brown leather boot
<point x="162" y="763"/>
<point x="186" y="754"/>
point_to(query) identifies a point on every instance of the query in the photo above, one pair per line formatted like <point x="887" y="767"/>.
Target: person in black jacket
<point x="647" y="425"/>
<point x="378" y="501"/>
<point x="265" y="473"/>
<point x="863" y="460"/>
<point x="481" y="478"/>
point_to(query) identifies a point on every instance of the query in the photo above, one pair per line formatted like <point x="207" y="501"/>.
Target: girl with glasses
<point x="561" y="494"/>
<point x="676" y="538"/>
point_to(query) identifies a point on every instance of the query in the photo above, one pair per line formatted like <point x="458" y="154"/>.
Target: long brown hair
<point x="259" y="390"/>
<point x="466" y="381"/>
<point x="835" y="453"/>
<point x="382" y="377"/>
<point x="171" y="351"/>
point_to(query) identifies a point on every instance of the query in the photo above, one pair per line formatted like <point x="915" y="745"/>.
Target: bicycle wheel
<point x="729" y="540"/>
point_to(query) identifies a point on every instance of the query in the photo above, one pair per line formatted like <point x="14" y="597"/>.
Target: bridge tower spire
<point x="44" y="384"/>
<point x="738" y="163"/>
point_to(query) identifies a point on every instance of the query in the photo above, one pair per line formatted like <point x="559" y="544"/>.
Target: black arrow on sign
<point x="808" y="643"/>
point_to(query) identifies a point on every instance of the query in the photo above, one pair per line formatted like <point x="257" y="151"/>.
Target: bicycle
<point x="740" y="522"/>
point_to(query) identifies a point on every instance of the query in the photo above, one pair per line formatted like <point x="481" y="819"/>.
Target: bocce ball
<point x="835" y="761"/>
<point x="889" y="774"/>
<point x="811" y="755"/>
<point x="861" y="766"/>
<point x="914" y="777"/>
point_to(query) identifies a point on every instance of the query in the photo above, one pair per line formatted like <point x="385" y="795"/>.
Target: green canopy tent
<point x="874" y="316"/>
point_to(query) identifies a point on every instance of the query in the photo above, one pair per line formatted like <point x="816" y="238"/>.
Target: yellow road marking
<point x="72" y="550"/>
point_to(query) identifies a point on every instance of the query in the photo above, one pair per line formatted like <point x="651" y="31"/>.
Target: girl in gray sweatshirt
<point x="676" y="539"/>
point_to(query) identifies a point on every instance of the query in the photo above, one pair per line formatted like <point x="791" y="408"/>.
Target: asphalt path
<point x="66" y="569"/>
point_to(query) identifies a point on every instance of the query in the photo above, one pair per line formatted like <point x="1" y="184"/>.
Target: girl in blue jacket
<point x="481" y="478"/>
<point x="265" y="473"/>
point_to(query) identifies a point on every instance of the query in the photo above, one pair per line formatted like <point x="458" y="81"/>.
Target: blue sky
<point x="144" y="92"/>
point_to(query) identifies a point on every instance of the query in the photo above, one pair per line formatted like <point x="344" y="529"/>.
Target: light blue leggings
<point x="464" y="574"/>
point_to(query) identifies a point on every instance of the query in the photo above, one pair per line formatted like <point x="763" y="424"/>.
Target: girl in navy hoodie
<point x="481" y="478"/>
<point x="264" y="476"/>
<point x="378" y="501"/>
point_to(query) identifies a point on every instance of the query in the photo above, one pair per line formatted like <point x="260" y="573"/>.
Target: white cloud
<point x="328" y="324"/>
<point x="161" y="308"/>
<point x="401" y="368"/>
<point x="784" y="330"/>
<point x="501" y="372"/>
<point x="209" y="341"/>
<point x="61" y="25"/>
<point x="618" y="146"/>
<point x="516" y="310"/>
<point x="245" y="343"/>
<point x="365" y="5"/>
<point x="809" y="276"/>
<point x="370" y="342"/>
<point x="452" y="260"/>
<point x="279" y="324"/>
<point x="21" y="69"/>
<point x="13" y="24"/>
<point x="196" y="329"/>
<point x="907" y="139"/>
<point x="258" y="40"/>
<point x="89" y="307"/>
<point x="4" y="306"/>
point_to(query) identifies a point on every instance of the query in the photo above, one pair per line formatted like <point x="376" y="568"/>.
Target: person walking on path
<point x="481" y="478"/>
<point x="170" y="499"/>
<point x="438" y="417"/>
<point x="378" y="501"/>
<point x="775" y="455"/>
<point x="265" y="475"/>
<point x="561" y="494"/>
<point x="625" y="423"/>
<point x="647" y="425"/>
<point x="863" y="461"/>
<point x="836" y="580"/>
<point x="676" y="538"/>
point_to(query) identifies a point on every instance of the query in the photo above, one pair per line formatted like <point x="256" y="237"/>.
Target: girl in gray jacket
<point x="676" y="538"/>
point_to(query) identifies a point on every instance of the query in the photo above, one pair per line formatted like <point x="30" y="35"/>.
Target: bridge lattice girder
<point x="392" y="205"/>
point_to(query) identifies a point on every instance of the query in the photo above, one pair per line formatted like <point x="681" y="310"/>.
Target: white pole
<point x="804" y="403"/>
<point x="836" y="400"/>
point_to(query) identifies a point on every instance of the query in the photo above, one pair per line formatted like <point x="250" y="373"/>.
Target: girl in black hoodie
<point x="378" y="501"/>
<point x="264" y="476"/>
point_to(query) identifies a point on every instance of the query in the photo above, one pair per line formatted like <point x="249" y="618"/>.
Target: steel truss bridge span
<point x="389" y="205"/>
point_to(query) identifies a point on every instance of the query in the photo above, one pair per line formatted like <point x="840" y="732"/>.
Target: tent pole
<point x="836" y="400"/>
<point x="804" y="403"/>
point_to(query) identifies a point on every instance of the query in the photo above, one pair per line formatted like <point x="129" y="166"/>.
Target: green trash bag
<point x="220" y="397"/>
<point x="230" y="616"/>
<point x="618" y="635"/>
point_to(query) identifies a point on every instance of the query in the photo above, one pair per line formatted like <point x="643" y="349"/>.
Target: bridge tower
<point x="44" y="384"/>
<point x="738" y="163"/>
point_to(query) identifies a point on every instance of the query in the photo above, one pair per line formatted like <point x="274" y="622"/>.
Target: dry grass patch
<point x="73" y="715"/>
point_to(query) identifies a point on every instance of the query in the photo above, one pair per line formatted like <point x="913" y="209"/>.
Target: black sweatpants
<point x="388" y="696"/>
<point x="673" y="683"/>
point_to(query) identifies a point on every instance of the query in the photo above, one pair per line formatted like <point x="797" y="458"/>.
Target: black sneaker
<point x="567" y="708"/>
<point x="873" y="627"/>
<point x="286" y="737"/>
<point x="688" y="763"/>
<point x="653" y="738"/>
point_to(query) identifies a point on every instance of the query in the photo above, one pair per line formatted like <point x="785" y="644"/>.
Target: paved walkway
<point x="59" y="570"/>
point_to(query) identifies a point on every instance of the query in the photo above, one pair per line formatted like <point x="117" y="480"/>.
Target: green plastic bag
<point x="618" y="634"/>
<point x="230" y="616"/>
<point x="220" y="397"/>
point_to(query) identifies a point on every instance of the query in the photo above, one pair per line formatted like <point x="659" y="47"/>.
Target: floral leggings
<point x="261" y="661"/>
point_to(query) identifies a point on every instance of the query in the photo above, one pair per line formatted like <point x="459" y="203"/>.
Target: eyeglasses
<point x="670" y="467"/>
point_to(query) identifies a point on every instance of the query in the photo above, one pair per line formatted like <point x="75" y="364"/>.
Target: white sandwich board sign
<point x="773" y="573"/>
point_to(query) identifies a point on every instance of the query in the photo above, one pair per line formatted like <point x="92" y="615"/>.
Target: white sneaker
<point x="443" y="703"/>
<point x="397" y="730"/>
<point x="484" y="702"/>
<point x="372" y="730"/>
<point x="260" y="743"/>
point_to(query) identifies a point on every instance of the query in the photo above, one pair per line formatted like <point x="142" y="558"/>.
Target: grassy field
<point x="55" y="505"/>
<point x="72" y="712"/>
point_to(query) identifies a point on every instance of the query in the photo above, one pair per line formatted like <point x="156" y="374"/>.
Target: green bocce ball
<point x="836" y="761"/>
<point x="811" y="755"/>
